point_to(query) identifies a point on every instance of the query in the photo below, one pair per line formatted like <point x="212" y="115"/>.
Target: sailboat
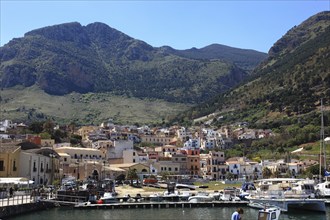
<point x="323" y="188"/>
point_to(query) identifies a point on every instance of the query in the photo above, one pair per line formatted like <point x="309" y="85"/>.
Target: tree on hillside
<point x="36" y="127"/>
<point x="72" y="127"/>
<point x="48" y="127"/>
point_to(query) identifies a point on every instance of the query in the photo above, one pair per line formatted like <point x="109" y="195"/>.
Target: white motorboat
<point x="185" y="186"/>
<point x="287" y="193"/>
<point x="156" y="197"/>
<point x="323" y="189"/>
<point x="201" y="197"/>
<point x="286" y="204"/>
<point x="108" y="198"/>
<point x="230" y="194"/>
<point x="284" y="188"/>
<point x="272" y="213"/>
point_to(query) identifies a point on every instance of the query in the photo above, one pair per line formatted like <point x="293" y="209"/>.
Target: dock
<point x="159" y="205"/>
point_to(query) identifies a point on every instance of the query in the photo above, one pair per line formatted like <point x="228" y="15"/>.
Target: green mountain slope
<point x="67" y="58"/>
<point x="32" y="104"/>
<point x="289" y="84"/>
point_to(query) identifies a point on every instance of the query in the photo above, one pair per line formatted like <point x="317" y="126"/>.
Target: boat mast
<point x="322" y="145"/>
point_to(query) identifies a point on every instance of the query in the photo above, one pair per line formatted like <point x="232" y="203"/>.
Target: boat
<point x="230" y="194"/>
<point x="184" y="195"/>
<point x="287" y="193"/>
<point x="172" y="196"/>
<point x="284" y="188"/>
<point x="246" y="189"/>
<point x="108" y="198"/>
<point x="323" y="189"/>
<point x="287" y="203"/>
<point x="185" y="186"/>
<point x="272" y="213"/>
<point x="156" y="197"/>
<point x="201" y="197"/>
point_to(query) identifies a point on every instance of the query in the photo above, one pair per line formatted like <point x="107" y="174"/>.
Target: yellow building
<point x="9" y="159"/>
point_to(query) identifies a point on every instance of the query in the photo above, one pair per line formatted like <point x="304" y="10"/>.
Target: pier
<point x="159" y="205"/>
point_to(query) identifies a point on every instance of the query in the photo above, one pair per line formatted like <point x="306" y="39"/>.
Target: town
<point x="131" y="152"/>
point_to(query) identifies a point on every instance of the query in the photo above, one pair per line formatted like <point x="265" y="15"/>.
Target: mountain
<point x="67" y="58"/>
<point x="284" y="88"/>
<point x="244" y="59"/>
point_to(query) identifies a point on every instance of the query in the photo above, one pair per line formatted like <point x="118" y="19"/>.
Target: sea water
<point x="216" y="213"/>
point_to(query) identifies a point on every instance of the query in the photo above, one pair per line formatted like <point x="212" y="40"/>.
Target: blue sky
<point x="180" y="24"/>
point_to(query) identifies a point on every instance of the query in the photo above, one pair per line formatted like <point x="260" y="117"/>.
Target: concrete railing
<point x="16" y="200"/>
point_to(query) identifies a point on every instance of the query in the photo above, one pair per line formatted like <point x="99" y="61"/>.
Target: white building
<point x="132" y="156"/>
<point x="119" y="147"/>
<point x="192" y="144"/>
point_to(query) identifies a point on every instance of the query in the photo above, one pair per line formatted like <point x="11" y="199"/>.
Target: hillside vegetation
<point x="283" y="92"/>
<point x="32" y="104"/>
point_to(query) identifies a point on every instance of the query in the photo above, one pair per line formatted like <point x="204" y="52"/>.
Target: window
<point x="169" y="169"/>
<point x="34" y="167"/>
<point x="2" y="168"/>
<point x="176" y="169"/>
<point x="274" y="215"/>
<point x="14" y="166"/>
<point x="133" y="153"/>
<point x="133" y="160"/>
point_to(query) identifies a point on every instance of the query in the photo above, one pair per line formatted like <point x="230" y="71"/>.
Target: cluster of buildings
<point x="110" y="151"/>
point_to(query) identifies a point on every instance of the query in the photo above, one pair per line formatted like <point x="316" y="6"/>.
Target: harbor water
<point x="216" y="213"/>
